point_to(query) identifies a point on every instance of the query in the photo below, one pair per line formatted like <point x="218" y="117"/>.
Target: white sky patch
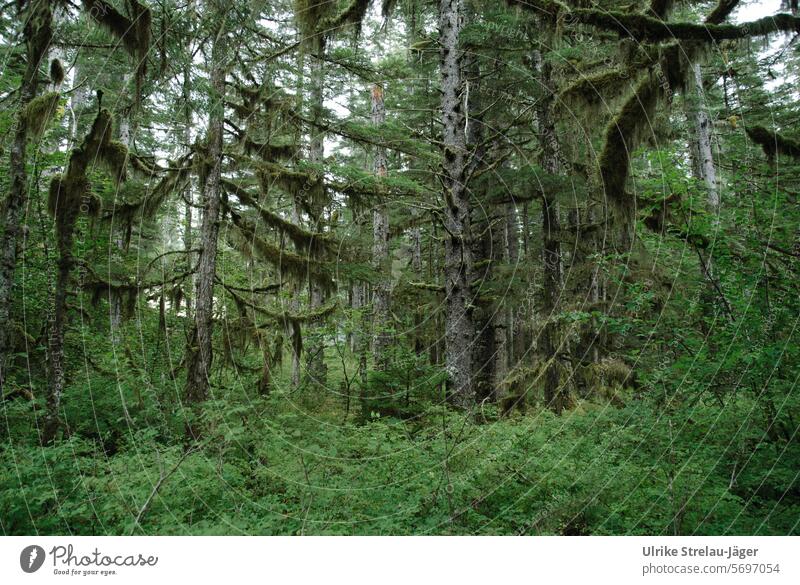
<point x="750" y="11"/>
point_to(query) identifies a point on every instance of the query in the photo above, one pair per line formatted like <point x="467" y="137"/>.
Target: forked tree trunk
<point x="459" y="328"/>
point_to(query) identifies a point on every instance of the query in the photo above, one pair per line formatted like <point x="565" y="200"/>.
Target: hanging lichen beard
<point x="96" y="558"/>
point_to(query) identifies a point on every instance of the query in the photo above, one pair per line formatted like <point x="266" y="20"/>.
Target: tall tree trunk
<point x="65" y="234"/>
<point x="201" y="352"/>
<point x="702" y="151"/>
<point x="512" y="258"/>
<point x="188" y="193"/>
<point x="703" y="154"/>
<point x="38" y="33"/>
<point x="556" y="392"/>
<point x="316" y="369"/>
<point x="459" y="328"/>
<point x="119" y="237"/>
<point x="380" y="245"/>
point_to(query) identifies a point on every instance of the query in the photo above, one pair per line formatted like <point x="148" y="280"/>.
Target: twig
<point x="163" y="478"/>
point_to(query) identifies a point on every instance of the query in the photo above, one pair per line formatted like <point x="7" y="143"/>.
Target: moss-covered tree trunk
<point x="65" y="220"/>
<point x="38" y="32"/>
<point x="316" y="369"/>
<point x="459" y="327"/>
<point x="556" y="392"/>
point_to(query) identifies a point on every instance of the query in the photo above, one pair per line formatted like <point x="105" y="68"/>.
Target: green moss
<point x="773" y="143"/>
<point x="353" y="13"/>
<point x="317" y="244"/>
<point x="294" y="266"/>
<point x="56" y="72"/>
<point x="39" y="111"/>
<point x="594" y="91"/>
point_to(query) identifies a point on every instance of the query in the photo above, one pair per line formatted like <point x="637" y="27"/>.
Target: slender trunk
<point x="556" y="392"/>
<point x="703" y="155"/>
<point x="200" y="352"/>
<point x="317" y="370"/>
<point x="38" y="33"/>
<point x="416" y="267"/>
<point x="380" y="246"/>
<point x="459" y="327"/>
<point x="512" y="258"/>
<point x="119" y="236"/>
<point x="702" y="152"/>
<point x="188" y="193"/>
<point x="65" y="235"/>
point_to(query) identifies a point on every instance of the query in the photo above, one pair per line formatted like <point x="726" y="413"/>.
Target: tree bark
<point x="380" y="245"/>
<point x="459" y="327"/>
<point x="38" y="33"/>
<point x="316" y="369"/>
<point x="556" y="391"/>
<point x="201" y="350"/>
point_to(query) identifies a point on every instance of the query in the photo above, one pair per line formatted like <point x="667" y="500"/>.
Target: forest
<point x="399" y="267"/>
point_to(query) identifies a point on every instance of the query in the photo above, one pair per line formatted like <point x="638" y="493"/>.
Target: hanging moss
<point x="316" y="244"/>
<point x="270" y="152"/>
<point x="294" y="266"/>
<point x="387" y="7"/>
<point x="643" y="28"/>
<point x="305" y="317"/>
<point x="309" y="14"/>
<point x="40" y="111"/>
<point x="70" y="193"/>
<point x="352" y="14"/>
<point x="56" y="72"/>
<point x="303" y="182"/>
<point x="592" y="92"/>
<point x="660" y="8"/>
<point x="38" y="28"/>
<point x="114" y="22"/>
<point x="648" y="29"/>
<point x="148" y="200"/>
<point x="134" y="33"/>
<point x="633" y="122"/>
<point x="773" y="143"/>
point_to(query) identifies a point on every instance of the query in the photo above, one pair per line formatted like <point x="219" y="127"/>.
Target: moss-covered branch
<point x="773" y="143"/>
<point x="644" y="28"/>
<point x="312" y="242"/>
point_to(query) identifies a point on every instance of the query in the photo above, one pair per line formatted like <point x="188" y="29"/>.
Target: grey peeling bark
<point x="200" y="350"/>
<point x="459" y="327"/>
<point x="705" y="171"/>
<point x="37" y="34"/>
<point x="556" y="392"/>
<point x="703" y="155"/>
<point x="380" y="245"/>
